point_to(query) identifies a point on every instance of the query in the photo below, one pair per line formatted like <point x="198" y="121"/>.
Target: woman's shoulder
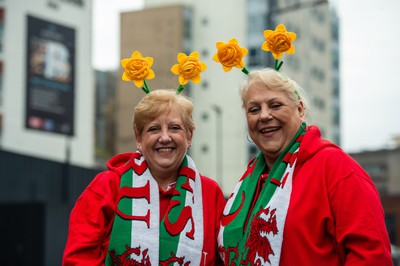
<point x="212" y="193"/>
<point x="103" y="183"/>
<point x="207" y="181"/>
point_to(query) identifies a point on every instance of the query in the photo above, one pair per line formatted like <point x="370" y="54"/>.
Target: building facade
<point x="105" y="110"/>
<point x="384" y="169"/>
<point x="46" y="124"/>
<point x="47" y="83"/>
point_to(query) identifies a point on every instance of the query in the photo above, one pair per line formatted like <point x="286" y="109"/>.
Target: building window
<point x="390" y="220"/>
<point x="336" y="116"/>
<point x="375" y="171"/>
<point x="253" y="150"/>
<point x="204" y="84"/>
<point x="204" y="116"/>
<point x="318" y="15"/>
<point x="319" y="103"/>
<point x="204" y="52"/>
<point x="1" y="83"/>
<point x="1" y="29"/>
<point x="204" y="21"/>
<point x="204" y="148"/>
<point x="255" y="57"/>
<point x="318" y="44"/>
<point x="318" y="73"/>
<point x="187" y="16"/>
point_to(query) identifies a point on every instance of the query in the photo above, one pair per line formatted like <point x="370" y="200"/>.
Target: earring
<point x="139" y="148"/>
<point x="190" y="144"/>
<point x="249" y="139"/>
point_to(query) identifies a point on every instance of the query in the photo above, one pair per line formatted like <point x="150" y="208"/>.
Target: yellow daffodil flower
<point x="279" y="41"/>
<point x="188" y="68"/>
<point x="137" y="69"/>
<point x="230" y="54"/>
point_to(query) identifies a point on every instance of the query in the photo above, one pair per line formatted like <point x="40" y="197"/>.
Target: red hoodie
<point x="335" y="216"/>
<point x="92" y="217"/>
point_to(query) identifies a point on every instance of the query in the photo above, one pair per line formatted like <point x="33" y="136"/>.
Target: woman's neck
<point x="164" y="179"/>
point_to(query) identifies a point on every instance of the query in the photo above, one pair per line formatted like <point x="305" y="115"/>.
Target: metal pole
<point x="219" y="152"/>
<point x="65" y="171"/>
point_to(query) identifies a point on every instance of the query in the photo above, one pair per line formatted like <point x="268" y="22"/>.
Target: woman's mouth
<point x="164" y="149"/>
<point x="268" y="130"/>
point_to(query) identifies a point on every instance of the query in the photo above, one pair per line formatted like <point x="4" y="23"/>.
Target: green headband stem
<point x="180" y="88"/>
<point x="278" y="66"/>
<point x="146" y="87"/>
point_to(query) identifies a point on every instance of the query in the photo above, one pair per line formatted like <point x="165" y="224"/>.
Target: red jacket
<point x="92" y="217"/>
<point x="335" y="216"/>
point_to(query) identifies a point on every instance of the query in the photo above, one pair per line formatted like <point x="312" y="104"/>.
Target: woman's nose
<point x="164" y="137"/>
<point x="265" y="114"/>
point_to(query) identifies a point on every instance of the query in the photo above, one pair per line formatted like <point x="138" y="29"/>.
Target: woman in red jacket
<point x="152" y="207"/>
<point x="302" y="200"/>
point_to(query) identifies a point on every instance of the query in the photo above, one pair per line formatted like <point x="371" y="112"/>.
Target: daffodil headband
<point x="138" y="68"/>
<point x="277" y="42"/>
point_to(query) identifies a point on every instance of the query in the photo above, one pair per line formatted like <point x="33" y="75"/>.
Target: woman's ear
<point x="189" y="138"/>
<point x="302" y="110"/>
<point x="137" y="139"/>
<point x="190" y="135"/>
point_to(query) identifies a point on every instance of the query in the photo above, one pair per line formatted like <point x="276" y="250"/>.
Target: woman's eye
<point x="175" y="127"/>
<point x="275" y="105"/>
<point x="152" y="129"/>
<point x="253" y="110"/>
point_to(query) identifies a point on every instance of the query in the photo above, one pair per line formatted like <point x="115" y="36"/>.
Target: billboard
<point x="50" y="77"/>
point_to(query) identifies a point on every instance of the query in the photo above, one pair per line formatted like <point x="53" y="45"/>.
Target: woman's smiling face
<point x="272" y="119"/>
<point x="164" y="142"/>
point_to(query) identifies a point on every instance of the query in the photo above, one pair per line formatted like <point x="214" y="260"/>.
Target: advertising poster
<point x="50" y="80"/>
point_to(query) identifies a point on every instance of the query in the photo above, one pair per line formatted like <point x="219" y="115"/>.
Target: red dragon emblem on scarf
<point x="257" y="242"/>
<point x="124" y="260"/>
<point x="257" y="245"/>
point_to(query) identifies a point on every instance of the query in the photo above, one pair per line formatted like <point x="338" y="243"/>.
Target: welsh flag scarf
<point x="252" y="229"/>
<point x="139" y="236"/>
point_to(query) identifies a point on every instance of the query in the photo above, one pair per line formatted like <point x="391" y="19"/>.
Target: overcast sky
<point x="370" y="58"/>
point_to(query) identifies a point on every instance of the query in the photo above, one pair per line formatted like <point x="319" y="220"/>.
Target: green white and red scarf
<point x="139" y="236"/>
<point x="253" y="236"/>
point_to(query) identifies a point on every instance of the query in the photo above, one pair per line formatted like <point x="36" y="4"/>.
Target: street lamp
<point x="218" y="127"/>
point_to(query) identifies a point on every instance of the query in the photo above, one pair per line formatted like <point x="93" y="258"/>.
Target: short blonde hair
<point x="276" y="81"/>
<point x="159" y="101"/>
